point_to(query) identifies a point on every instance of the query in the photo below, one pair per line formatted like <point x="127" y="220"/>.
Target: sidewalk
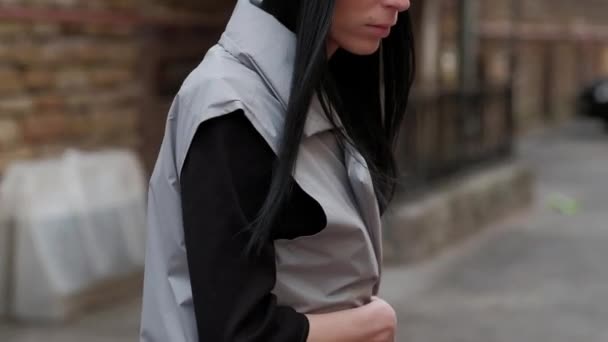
<point x="115" y="324"/>
<point x="539" y="277"/>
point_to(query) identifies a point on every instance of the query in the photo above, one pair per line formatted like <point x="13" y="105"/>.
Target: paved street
<point x="540" y="276"/>
<point x="115" y="324"/>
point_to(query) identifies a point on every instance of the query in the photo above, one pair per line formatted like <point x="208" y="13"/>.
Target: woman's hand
<point x="383" y="320"/>
<point x="373" y="322"/>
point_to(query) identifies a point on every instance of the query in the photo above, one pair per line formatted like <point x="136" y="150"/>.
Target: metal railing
<point x="452" y="132"/>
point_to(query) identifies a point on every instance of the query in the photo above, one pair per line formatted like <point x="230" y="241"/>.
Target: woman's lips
<point x="380" y="30"/>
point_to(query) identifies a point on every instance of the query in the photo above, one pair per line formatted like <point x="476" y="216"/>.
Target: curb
<point x="420" y="229"/>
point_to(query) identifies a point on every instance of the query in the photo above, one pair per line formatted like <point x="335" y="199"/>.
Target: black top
<point x="224" y="182"/>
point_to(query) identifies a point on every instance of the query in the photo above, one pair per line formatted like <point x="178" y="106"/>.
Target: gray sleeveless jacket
<point x="337" y="268"/>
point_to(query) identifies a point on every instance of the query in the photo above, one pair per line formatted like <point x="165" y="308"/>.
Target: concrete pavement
<point x="539" y="277"/>
<point x="118" y="323"/>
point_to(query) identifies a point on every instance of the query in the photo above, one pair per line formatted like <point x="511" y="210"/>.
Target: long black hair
<point x="352" y="86"/>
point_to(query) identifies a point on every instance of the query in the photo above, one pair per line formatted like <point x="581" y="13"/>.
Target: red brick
<point x="38" y="78"/>
<point x="72" y="78"/>
<point x="50" y="102"/>
<point x="46" y="128"/>
<point x="16" y="105"/>
<point x="110" y="76"/>
<point x="11" y="81"/>
<point x="10" y="133"/>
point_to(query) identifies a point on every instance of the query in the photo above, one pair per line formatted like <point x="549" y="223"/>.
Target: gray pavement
<point x="540" y="276"/>
<point x="116" y="323"/>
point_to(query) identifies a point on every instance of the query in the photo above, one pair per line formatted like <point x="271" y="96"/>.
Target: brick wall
<point x="66" y="84"/>
<point x="81" y="73"/>
<point x="196" y="5"/>
<point x="177" y="49"/>
<point x="88" y="4"/>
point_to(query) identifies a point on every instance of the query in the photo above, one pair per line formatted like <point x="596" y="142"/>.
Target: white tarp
<point x="77" y="221"/>
<point x="4" y="260"/>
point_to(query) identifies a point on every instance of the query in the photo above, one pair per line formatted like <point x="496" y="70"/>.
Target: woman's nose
<point x="400" y="5"/>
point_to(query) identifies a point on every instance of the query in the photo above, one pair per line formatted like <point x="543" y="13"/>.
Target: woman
<point x="245" y="243"/>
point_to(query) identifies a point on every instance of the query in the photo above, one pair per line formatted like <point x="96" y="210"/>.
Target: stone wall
<point x="549" y="11"/>
<point x="561" y="45"/>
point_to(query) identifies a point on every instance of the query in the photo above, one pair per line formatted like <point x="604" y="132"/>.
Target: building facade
<point x="93" y="74"/>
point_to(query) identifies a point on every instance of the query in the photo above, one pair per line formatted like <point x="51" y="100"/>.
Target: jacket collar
<point x="261" y="42"/>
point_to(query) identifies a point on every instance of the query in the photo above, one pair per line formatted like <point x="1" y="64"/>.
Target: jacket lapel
<point x="360" y="181"/>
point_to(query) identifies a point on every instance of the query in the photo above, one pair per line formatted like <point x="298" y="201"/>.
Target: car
<point x="592" y="101"/>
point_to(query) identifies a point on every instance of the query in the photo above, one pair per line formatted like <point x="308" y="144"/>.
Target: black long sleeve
<point x="224" y="182"/>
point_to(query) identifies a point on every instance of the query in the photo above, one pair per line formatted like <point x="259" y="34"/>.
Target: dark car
<point x="593" y="100"/>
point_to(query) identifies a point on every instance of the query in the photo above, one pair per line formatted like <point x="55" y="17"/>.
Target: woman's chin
<point x="363" y="48"/>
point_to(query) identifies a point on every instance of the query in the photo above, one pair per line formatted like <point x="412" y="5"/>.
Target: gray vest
<point x="250" y="69"/>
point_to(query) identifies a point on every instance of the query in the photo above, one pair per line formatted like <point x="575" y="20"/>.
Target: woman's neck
<point x="332" y="47"/>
